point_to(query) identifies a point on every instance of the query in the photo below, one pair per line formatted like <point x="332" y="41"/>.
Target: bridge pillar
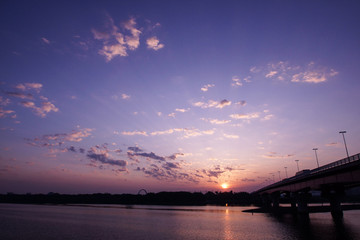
<point x="275" y="199"/>
<point x="293" y="202"/>
<point x="266" y="201"/>
<point x="302" y="199"/>
<point x="335" y="194"/>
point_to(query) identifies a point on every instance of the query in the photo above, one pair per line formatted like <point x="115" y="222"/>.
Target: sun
<point x="224" y="185"/>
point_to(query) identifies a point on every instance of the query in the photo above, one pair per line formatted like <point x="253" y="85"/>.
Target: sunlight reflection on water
<point x="166" y="222"/>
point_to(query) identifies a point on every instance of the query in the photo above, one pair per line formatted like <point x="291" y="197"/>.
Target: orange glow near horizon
<point x="224" y="185"/>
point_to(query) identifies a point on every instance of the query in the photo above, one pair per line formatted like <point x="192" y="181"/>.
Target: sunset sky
<point x="118" y="96"/>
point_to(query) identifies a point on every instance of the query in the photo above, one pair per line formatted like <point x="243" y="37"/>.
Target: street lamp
<point x="297" y="164"/>
<point x="279" y="175"/>
<point x="347" y="153"/>
<point x="286" y="172"/>
<point x="317" y="160"/>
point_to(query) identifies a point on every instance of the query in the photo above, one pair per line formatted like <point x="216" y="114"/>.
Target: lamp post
<point x="347" y="153"/>
<point x="286" y="172"/>
<point x="297" y="164"/>
<point x="317" y="160"/>
<point x="279" y="175"/>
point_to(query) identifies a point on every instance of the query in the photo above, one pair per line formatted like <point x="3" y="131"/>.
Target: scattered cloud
<point x="59" y="139"/>
<point x="125" y="96"/>
<point x="154" y="43"/>
<point x="45" y="40"/>
<point x="213" y="104"/>
<point x="245" y="116"/>
<point x="4" y="113"/>
<point x="241" y="103"/>
<point x="20" y="95"/>
<point x="134" y="133"/>
<point x="310" y="73"/>
<point x="29" y="86"/>
<point x="206" y="87"/>
<point x="116" y="43"/>
<point x="183" y="110"/>
<point x="42" y="111"/>
<point x="216" y="121"/>
<point x="276" y="155"/>
<point x="231" y="136"/>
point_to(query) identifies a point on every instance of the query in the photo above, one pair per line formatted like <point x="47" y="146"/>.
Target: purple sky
<point x="174" y="95"/>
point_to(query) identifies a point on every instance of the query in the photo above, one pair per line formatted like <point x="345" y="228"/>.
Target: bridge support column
<point x="275" y="199"/>
<point x="302" y="199"/>
<point x="266" y="201"/>
<point x="335" y="194"/>
<point x="293" y="202"/>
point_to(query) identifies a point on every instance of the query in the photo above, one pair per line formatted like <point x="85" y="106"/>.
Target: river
<point x="107" y="222"/>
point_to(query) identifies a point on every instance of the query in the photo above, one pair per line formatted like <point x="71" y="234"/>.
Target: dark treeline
<point x="161" y="198"/>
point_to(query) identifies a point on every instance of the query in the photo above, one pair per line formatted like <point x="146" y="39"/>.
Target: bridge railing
<point x="343" y="161"/>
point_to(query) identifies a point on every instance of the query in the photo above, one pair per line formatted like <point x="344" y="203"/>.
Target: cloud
<point x="133" y="40"/>
<point x="206" y="87"/>
<point x="45" y="108"/>
<point x="216" y="121"/>
<point x="103" y="158"/>
<point x="134" y="133"/>
<point x="154" y="43"/>
<point x="231" y="136"/>
<point x="213" y="173"/>
<point x="236" y="81"/>
<point x="135" y="149"/>
<point x="4" y="101"/>
<point x="276" y="155"/>
<point x="213" y="104"/>
<point x="20" y="95"/>
<point x="4" y="113"/>
<point x="150" y="155"/>
<point x="245" y="116"/>
<point x="309" y="73"/>
<point x="182" y="110"/>
<point x="29" y="86"/>
<point x="241" y="103"/>
<point x="58" y="139"/>
<point x="125" y="96"/>
<point x="170" y="165"/>
<point x="116" y="43"/>
<point x="45" y="40"/>
<point x="271" y="74"/>
<point x="248" y="180"/>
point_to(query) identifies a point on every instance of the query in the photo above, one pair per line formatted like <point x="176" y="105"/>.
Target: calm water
<point x="159" y="222"/>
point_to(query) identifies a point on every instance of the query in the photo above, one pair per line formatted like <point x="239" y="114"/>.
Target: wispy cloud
<point x="231" y="136"/>
<point x="45" y="40"/>
<point x="20" y="95"/>
<point x="154" y="43"/>
<point x="309" y="73"/>
<point x="4" y="113"/>
<point x="277" y="155"/>
<point x="116" y="43"/>
<point x="133" y="133"/>
<point x="58" y="139"/>
<point x="245" y="116"/>
<point x="213" y="104"/>
<point x="206" y="87"/>
<point x="29" y="86"/>
<point x="216" y="121"/>
<point x="41" y="111"/>
<point x="183" y="110"/>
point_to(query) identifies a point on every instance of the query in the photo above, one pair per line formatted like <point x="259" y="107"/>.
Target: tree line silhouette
<point x="161" y="198"/>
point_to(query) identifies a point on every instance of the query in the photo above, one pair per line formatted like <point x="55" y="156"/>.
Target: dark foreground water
<point x="160" y="222"/>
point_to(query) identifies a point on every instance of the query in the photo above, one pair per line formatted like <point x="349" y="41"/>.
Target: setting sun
<point x="224" y="185"/>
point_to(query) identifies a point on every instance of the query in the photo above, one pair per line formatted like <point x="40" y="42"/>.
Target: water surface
<point x="167" y="222"/>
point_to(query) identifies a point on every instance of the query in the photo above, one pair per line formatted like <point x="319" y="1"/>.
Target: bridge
<point x="331" y="179"/>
